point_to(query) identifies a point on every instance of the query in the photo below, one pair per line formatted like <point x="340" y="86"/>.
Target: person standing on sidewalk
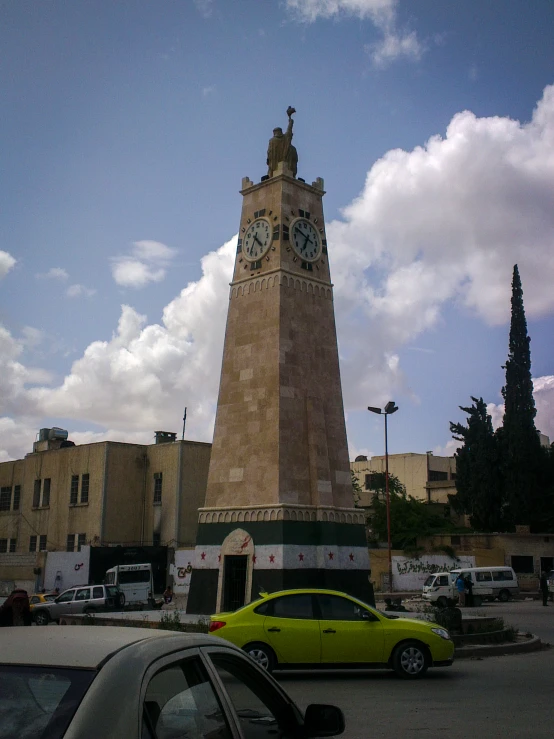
<point x="461" y="588"/>
<point x="543" y="586"/>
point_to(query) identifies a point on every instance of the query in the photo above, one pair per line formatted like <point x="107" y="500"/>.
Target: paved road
<point x="508" y="697"/>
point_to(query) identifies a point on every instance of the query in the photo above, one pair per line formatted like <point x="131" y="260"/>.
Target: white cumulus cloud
<point x="147" y="261"/>
<point x="54" y="273"/>
<point x="80" y="291"/>
<point x="394" y="42"/>
<point x="6" y="263"/>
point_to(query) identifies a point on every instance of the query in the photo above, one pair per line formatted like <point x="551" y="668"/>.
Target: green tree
<point x="356" y="489"/>
<point x="479" y="482"/>
<point x="410" y="518"/>
<point x="523" y="459"/>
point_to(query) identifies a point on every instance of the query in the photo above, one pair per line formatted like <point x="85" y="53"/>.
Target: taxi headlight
<point x="443" y="633"/>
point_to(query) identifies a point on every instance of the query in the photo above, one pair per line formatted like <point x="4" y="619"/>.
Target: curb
<point x="497" y="650"/>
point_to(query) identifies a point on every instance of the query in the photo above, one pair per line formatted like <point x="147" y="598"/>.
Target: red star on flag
<point x="203" y="555"/>
<point x="331" y="555"/>
<point x="254" y="559"/>
<point x="351" y="557"/>
<point x="301" y="557"/>
<point x="272" y="558"/>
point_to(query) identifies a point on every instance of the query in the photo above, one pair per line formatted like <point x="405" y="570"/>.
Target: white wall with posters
<point x="411" y="573"/>
<point x="181" y="571"/>
<point x="65" y="569"/>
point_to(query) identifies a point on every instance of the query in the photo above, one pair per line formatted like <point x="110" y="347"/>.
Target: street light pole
<point x="388" y="410"/>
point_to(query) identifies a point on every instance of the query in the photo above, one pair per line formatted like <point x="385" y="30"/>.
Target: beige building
<point x="425" y="476"/>
<point x="62" y="496"/>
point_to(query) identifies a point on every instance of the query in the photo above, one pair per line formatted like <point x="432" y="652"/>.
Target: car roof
<point x="85" y="646"/>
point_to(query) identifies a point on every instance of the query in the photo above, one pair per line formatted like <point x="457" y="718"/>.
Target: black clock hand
<point x="258" y="240"/>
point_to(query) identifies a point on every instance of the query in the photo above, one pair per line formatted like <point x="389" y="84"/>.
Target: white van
<point x="488" y="583"/>
<point x="136" y="582"/>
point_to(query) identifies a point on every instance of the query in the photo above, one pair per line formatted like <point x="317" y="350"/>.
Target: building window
<point x="13" y="545"/>
<point x="36" y="494"/>
<point x="5" y="499"/>
<point x="452" y="475"/>
<point x="437" y="475"/>
<point x="74" y="491"/>
<point x="523" y="564"/>
<point x="46" y="485"/>
<point x="81" y="541"/>
<point x="3" y="546"/>
<point x="42" y="543"/>
<point x="33" y="544"/>
<point x="455" y="541"/>
<point x="70" y="545"/>
<point x="156" y="539"/>
<point x="85" y="480"/>
<point x="158" y="487"/>
<point x="16" y="497"/>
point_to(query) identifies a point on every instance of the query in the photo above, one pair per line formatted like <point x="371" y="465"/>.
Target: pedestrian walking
<point x="461" y="588"/>
<point x="15" y="610"/>
<point x="168" y="594"/>
<point x="468" y="590"/>
<point x="543" y="585"/>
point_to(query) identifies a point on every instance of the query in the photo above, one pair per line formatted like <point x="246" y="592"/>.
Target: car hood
<point x="401" y="621"/>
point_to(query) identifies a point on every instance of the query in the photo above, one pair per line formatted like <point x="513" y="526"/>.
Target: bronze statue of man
<point x="280" y="148"/>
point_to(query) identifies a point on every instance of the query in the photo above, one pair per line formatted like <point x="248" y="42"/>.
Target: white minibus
<point x="488" y="583"/>
<point x="136" y="582"/>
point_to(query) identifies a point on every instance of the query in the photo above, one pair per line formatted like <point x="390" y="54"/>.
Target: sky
<point x="126" y="130"/>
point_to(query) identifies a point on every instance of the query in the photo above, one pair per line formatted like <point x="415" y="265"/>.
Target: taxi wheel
<point x="263" y="655"/>
<point x="504" y="596"/>
<point x="410" y="660"/>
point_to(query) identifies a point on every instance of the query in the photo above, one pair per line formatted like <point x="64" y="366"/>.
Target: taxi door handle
<point x="274" y="628"/>
<point x="329" y="631"/>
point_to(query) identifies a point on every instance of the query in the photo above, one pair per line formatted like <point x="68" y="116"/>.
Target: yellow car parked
<point x="37" y="598"/>
<point x="325" y="628"/>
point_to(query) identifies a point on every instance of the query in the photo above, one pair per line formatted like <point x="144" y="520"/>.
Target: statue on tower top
<point x="280" y="148"/>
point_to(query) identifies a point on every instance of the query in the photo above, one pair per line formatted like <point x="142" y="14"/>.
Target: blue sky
<point x="126" y="130"/>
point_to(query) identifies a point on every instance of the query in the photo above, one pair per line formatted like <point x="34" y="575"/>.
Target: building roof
<point x="82" y="646"/>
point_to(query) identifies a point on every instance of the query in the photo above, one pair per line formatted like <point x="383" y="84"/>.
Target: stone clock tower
<point x="279" y="510"/>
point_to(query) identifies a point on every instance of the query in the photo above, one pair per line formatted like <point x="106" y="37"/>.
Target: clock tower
<point x="279" y="510"/>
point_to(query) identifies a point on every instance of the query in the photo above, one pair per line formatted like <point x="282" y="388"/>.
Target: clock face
<point x="305" y="240"/>
<point x="257" y="239"/>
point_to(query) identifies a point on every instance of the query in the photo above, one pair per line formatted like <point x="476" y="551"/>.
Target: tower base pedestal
<point x="234" y="561"/>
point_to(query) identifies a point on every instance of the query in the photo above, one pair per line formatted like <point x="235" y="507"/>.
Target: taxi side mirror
<point x="323" y="720"/>
<point x="367" y="616"/>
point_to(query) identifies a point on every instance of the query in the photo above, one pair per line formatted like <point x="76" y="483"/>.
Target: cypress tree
<point x="522" y="453"/>
<point x="479" y="484"/>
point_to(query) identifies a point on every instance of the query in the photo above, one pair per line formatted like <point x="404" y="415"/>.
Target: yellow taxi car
<point x="37" y="598"/>
<point x="325" y="628"/>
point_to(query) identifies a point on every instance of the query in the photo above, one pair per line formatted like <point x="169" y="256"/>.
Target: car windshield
<point x="112" y="591"/>
<point x="430" y="580"/>
<point x="39" y="702"/>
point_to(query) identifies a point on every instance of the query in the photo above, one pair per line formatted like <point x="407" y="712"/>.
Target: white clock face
<point x="305" y="240"/>
<point x="257" y="239"/>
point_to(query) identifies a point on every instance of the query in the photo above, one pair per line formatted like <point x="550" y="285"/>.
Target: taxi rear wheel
<point x="263" y="655"/>
<point x="410" y="660"/>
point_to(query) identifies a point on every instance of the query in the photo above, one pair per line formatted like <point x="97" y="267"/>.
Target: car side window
<point x="260" y="709"/>
<point x="98" y="592"/>
<point x="83" y="594"/>
<point x="334" y="608"/>
<point x="66" y="597"/>
<point x="180" y="701"/>
<point x="483" y="577"/>
<point x="293" y="606"/>
<point x="502" y="575"/>
<point x="443" y="580"/>
<point x="34" y="599"/>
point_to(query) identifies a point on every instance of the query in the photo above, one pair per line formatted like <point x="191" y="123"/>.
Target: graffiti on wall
<point x="411" y="573"/>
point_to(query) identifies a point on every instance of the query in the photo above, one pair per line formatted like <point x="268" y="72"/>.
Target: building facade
<point x="427" y="477"/>
<point x="61" y="497"/>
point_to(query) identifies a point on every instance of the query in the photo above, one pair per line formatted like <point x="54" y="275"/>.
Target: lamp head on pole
<point x="374" y="410"/>
<point x="391" y="407"/>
